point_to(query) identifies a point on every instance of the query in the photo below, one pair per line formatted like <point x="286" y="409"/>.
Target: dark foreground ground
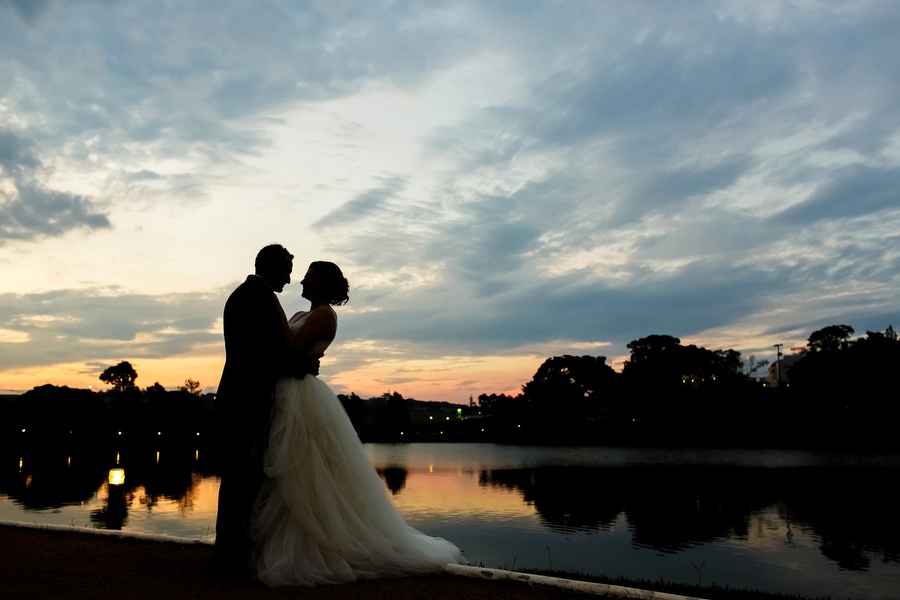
<point x="38" y="564"/>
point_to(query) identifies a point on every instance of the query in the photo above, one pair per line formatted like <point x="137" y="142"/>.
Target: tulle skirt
<point x="324" y="515"/>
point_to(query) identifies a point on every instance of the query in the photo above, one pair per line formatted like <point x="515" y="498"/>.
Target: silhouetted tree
<point x="191" y="386"/>
<point x="356" y="410"/>
<point x="752" y="365"/>
<point x="833" y="337"/>
<point x="566" y="391"/>
<point x="121" y="376"/>
<point x="55" y="414"/>
<point x="844" y="386"/>
<point x="155" y="388"/>
<point x="654" y="361"/>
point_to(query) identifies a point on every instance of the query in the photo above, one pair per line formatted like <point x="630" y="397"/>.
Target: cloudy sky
<point x="500" y="181"/>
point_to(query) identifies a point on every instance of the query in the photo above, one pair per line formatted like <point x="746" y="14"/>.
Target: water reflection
<point x="47" y="479"/>
<point x="761" y="519"/>
<point x="394" y="478"/>
<point x="671" y="509"/>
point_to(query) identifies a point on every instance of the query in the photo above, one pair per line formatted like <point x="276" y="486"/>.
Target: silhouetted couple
<point x="299" y="501"/>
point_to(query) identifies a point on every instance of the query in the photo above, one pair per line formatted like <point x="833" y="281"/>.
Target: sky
<point x="501" y="181"/>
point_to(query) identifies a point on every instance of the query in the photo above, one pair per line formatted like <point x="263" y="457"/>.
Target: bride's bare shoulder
<point x="298" y="315"/>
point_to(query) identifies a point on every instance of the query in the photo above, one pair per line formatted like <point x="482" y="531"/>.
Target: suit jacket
<point x="256" y="354"/>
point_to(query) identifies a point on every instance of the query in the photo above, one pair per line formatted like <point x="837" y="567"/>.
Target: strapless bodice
<point x="297" y="322"/>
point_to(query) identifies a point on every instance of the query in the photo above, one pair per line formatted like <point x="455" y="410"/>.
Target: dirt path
<point x="37" y="564"/>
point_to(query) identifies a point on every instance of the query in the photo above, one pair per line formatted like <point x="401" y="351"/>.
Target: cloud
<point x="27" y="10"/>
<point x="66" y="326"/>
<point x="623" y="169"/>
<point x="362" y="205"/>
<point x="665" y="150"/>
<point x="853" y="191"/>
<point x="29" y="210"/>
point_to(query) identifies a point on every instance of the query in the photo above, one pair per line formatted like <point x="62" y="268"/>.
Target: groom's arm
<point x="301" y="365"/>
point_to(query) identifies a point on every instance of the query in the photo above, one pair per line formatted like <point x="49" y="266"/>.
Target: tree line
<point x="63" y="416"/>
<point x="841" y="392"/>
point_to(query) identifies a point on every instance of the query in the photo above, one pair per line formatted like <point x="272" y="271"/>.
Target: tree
<point x="833" y="337"/>
<point x="752" y="365"/>
<point x="191" y="386"/>
<point x="655" y="360"/>
<point x="121" y="376"/>
<point x="566" y="387"/>
<point x="155" y="388"/>
<point x="356" y="410"/>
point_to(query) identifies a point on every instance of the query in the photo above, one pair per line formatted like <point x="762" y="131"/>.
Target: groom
<point x="257" y="353"/>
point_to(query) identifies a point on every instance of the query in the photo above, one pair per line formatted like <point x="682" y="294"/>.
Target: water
<point x="793" y="521"/>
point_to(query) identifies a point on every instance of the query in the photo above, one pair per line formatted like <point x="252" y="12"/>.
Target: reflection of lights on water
<point x="20" y="464"/>
<point x="69" y="462"/>
<point x="157" y="457"/>
<point x="117" y="458"/>
<point x="431" y="468"/>
<point x="116" y="476"/>
<point x="196" y="455"/>
<point x="28" y="482"/>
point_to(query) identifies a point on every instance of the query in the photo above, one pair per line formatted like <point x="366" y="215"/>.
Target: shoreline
<point x="59" y="561"/>
<point x="64" y="561"/>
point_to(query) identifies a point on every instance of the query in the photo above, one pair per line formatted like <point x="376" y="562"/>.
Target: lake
<point x="811" y="523"/>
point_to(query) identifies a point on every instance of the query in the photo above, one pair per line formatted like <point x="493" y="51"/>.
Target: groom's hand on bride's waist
<point x="306" y="364"/>
<point x="313" y="364"/>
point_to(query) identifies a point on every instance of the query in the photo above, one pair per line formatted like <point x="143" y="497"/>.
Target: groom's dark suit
<point x="256" y="354"/>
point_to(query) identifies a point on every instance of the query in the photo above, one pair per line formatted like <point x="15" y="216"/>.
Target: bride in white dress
<point x="324" y="515"/>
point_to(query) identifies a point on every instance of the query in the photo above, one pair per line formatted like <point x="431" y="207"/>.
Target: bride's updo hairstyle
<point x="333" y="281"/>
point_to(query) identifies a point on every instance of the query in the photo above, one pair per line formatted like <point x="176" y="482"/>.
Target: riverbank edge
<point x="542" y="582"/>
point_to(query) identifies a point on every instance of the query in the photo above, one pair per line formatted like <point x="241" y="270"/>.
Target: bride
<point x="323" y="515"/>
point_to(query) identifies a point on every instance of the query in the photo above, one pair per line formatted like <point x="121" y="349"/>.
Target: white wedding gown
<point x="324" y="515"/>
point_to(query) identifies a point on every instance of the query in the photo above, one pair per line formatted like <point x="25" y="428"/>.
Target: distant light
<point x="198" y="433"/>
<point x="430" y="418"/>
<point x="116" y="476"/>
<point x="482" y="430"/>
<point x="23" y="431"/>
<point x="448" y="418"/>
<point x="120" y="433"/>
<point x="401" y="433"/>
<point x="159" y="433"/>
